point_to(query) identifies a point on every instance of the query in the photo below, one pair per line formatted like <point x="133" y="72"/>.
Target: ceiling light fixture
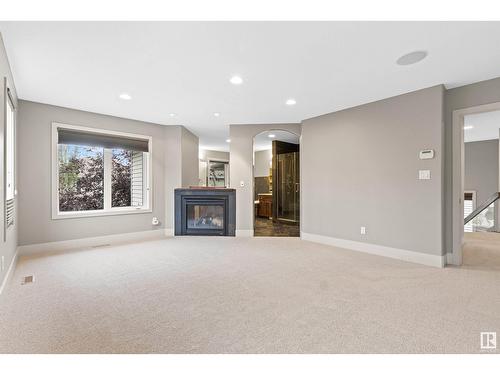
<point x="216" y="114"/>
<point x="172" y="115"/>
<point x="125" y="96"/>
<point x="271" y="135"/>
<point x="412" y="58"/>
<point x="228" y="140"/>
<point x="468" y="127"/>
<point x="291" y="102"/>
<point x="236" y="80"/>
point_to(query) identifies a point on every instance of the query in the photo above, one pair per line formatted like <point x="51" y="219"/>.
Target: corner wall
<point x="190" y="151"/>
<point x="360" y="166"/>
<point x="36" y="225"/>
<point x="180" y="167"/>
<point x="241" y="169"/>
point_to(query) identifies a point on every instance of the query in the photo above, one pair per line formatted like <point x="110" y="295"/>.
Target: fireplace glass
<point x="205" y="216"/>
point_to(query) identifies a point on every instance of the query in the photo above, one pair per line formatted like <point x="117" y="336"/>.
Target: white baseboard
<point x="10" y="271"/>
<point x="244" y="232"/>
<point x="169" y="232"/>
<point x="390" y="252"/>
<point x="82" y="243"/>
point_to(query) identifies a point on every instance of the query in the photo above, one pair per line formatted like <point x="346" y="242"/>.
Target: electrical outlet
<point x="363" y="230"/>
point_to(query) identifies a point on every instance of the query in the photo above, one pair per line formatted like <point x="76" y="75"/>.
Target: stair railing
<point x="487" y="203"/>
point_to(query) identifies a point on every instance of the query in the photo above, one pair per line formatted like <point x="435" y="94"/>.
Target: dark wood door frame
<point x="279" y="147"/>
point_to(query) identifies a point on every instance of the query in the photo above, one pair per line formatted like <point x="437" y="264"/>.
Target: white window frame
<point x="108" y="210"/>
<point x="9" y="139"/>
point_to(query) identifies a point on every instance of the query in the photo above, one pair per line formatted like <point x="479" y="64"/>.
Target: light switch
<point x="424" y="174"/>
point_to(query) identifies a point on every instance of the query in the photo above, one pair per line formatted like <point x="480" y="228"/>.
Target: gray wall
<point x="241" y="167"/>
<point x="8" y="245"/>
<point x="485" y="92"/>
<point x="481" y="168"/>
<point x="359" y="167"/>
<point x="179" y="171"/>
<point x="34" y="139"/>
<point x="214" y="155"/>
<point x="172" y="170"/>
<point x="262" y="159"/>
<point x="190" y="162"/>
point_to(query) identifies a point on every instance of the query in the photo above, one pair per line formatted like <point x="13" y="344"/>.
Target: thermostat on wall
<point x="426" y="154"/>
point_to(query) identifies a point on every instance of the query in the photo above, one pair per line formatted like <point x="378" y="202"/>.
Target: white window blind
<point x="137" y="179"/>
<point x="468" y="208"/>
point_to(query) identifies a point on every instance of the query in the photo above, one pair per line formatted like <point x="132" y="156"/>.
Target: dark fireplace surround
<point x="205" y="212"/>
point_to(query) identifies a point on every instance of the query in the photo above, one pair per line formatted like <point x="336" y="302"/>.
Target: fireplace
<point x="205" y="212"/>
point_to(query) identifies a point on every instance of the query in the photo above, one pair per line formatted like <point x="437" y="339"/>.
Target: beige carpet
<point x="255" y="295"/>
<point x="482" y="251"/>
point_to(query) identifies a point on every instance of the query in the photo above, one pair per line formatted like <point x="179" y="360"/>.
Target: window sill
<point x="112" y="212"/>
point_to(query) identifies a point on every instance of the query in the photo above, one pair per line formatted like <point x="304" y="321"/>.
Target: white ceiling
<point x="262" y="141"/>
<point x="484" y="126"/>
<point x="184" y="67"/>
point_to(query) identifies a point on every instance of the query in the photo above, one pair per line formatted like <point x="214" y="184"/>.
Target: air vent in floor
<point x="27" y="279"/>
<point x="103" y="245"/>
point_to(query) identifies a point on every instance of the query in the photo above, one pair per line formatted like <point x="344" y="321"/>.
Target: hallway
<point x="482" y="251"/>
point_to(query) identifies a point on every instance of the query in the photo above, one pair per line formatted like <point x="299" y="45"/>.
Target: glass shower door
<point x="288" y="189"/>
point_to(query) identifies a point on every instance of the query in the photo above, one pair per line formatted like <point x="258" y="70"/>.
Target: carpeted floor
<point x="482" y="251"/>
<point x="244" y="295"/>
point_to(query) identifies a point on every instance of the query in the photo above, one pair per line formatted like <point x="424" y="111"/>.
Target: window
<point x="469" y="206"/>
<point x="10" y="178"/>
<point x="127" y="188"/>
<point x="99" y="172"/>
<point x="81" y="178"/>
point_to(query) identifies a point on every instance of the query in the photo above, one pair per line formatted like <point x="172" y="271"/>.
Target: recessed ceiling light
<point x="172" y="115"/>
<point x="216" y="114"/>
<point x="468" y="127"/>
<point x="271" y="135"/>
<point x="291" y="102"/>
<point x="125" y="96"/>
<point x="236" y="80"/>
<point x="412" y="58"/>
<point x="228" y="140"/>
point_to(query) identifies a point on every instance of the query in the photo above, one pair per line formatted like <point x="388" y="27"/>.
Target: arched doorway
<point x="276" y="184"/>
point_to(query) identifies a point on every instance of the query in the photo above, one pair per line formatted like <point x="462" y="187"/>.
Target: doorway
<point x="276" y="184"/>
<point x="218" y="173"/>
<point x="476" y="185"/>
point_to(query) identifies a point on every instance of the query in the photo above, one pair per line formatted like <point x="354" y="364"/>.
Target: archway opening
<point x="276" y="184"/>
